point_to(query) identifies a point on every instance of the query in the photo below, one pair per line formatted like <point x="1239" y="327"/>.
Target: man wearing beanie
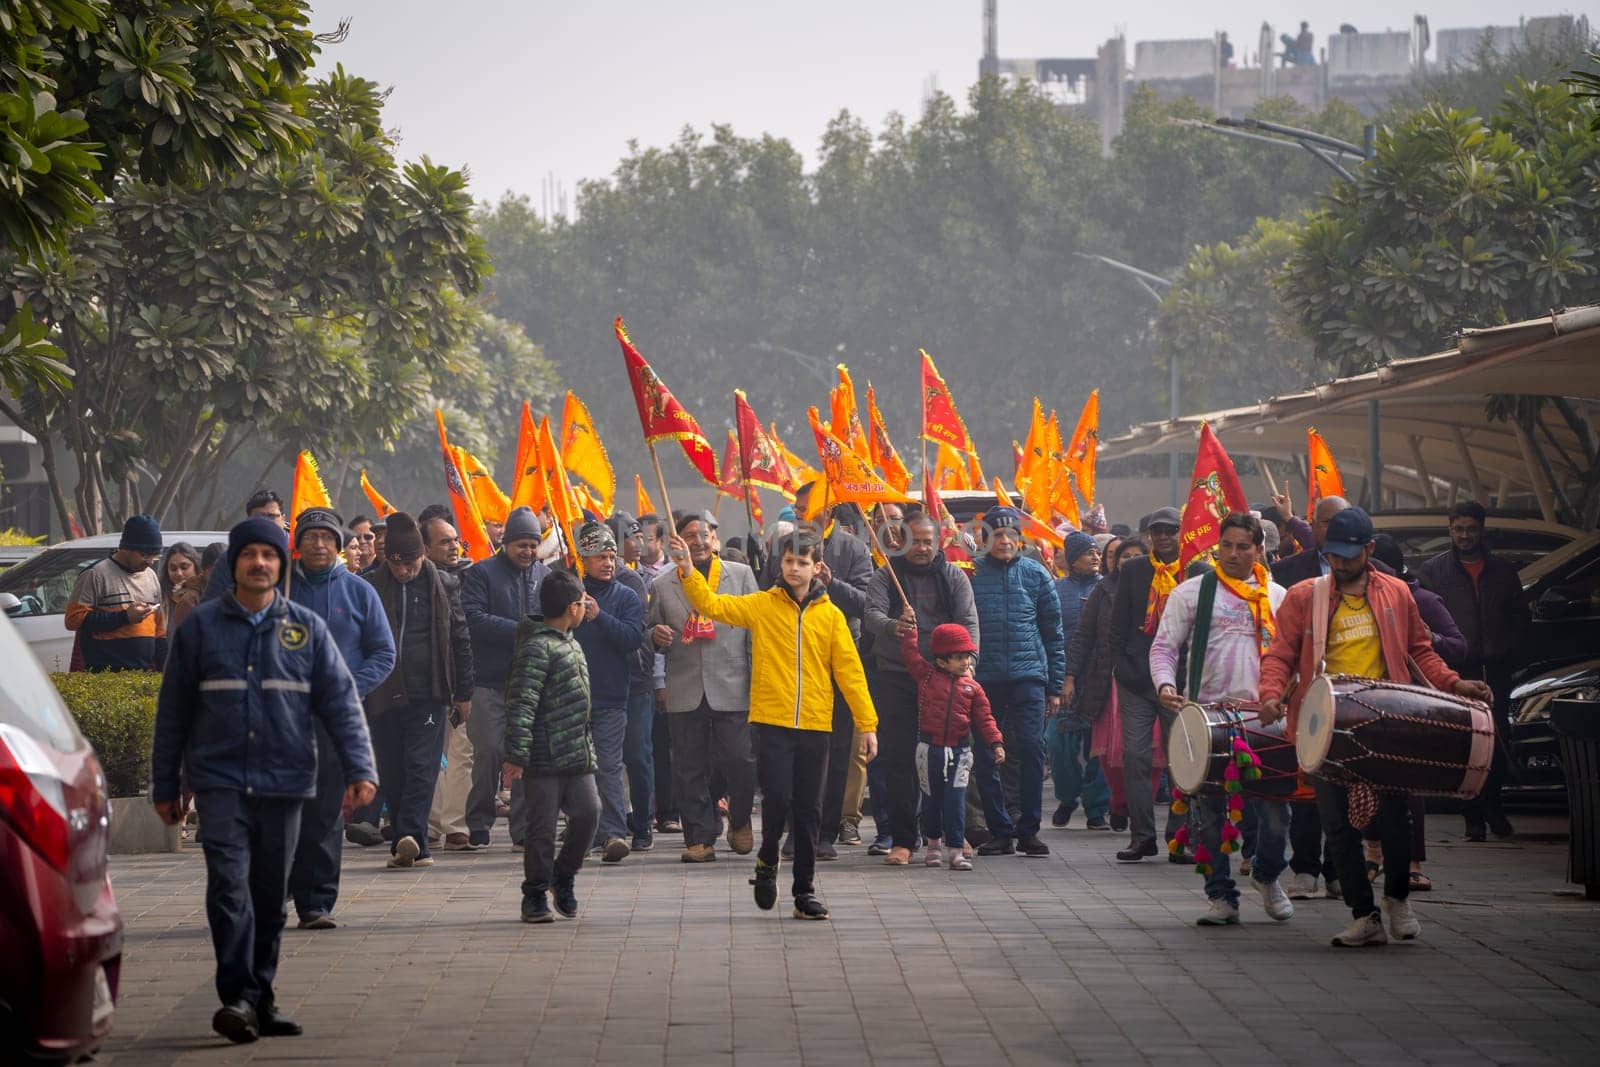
<point x="1067" y="736"/>
<point x="496" y="594"/>
<point x="354" y="616"/>
<point x="251" y="681"/>
<point x="115" y="604"/>
<point x="611" y="635"/>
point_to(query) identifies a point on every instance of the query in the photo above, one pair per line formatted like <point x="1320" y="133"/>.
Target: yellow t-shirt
<point x="1353" y="643"/>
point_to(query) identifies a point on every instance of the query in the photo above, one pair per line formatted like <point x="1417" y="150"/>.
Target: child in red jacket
<point x="951" y="705"/>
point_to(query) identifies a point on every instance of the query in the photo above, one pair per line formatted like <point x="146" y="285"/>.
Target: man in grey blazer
<point x="707" y="695"/>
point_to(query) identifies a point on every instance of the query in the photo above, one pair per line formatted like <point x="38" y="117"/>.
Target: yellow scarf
<point x="1163" y="580"/>
<point x="1258" y="596"/>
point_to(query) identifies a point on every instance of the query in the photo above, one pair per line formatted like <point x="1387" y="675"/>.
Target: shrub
<point x="116" y="710"/>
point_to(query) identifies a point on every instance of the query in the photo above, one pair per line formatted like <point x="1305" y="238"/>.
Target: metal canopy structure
<point x="1435" y="437"/>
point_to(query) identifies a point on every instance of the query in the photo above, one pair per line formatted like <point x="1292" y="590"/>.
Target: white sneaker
<point x="1274" y="899"/>
<point x="932" y="859"/>
<point x="1220" y="913"/>
<point x="1302" y="887"/>
<point x="1403" y="922"/>
<point x="1362" y="932"/>
<point x="406" y="851"/>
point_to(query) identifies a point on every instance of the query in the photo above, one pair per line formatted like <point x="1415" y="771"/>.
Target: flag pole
<point x="1266" y="472"/>
<point x="661" y="483"/>
<point x="872" y="532"/>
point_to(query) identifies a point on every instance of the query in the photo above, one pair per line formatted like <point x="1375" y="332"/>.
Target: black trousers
<point x="314" y="871"/>
<point x="661" y="744"/>
<point x="1486" y="805"/>
<point x="1393" y="823"/>
<point x="248" y="843"/>
<point x="840" y="740"/>
<point x="791" y="765"/>
<point x="1309" y="852"/>
<point x="707" y="743"/>
<point x="408" y="751"/>
<point x="894" y="693"/>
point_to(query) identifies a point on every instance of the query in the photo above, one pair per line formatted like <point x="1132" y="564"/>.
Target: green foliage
<point x="116" y="712"/>
<point x="1585" y="85"/>
<point x="1457" y="219"/>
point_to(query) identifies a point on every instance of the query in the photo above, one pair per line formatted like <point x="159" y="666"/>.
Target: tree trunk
<point x="63" y="513"/>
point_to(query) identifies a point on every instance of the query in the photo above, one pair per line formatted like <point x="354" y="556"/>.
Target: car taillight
<point x="32" y="797"/>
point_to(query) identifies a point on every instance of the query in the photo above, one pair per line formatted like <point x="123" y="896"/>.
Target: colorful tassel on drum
<point x="1232" y="839"/>
<point x="1230" y="778"/>
<point x="1202" y="860"/>
<point x="1179" y="842"/>
<point x="1180" y="803"/>
<point x="1235" y="808"/>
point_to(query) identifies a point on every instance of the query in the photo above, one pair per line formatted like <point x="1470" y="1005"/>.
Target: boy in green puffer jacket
<point x="549" y="746"/>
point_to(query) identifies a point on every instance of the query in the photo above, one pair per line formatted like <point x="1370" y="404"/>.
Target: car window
<point x="43" y="584"/>
<point x="28" y="702"/>
<point x="1517" y="547"/>
<point x="1572" y="596"/>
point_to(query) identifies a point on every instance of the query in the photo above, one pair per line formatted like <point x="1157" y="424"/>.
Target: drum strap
<point x="1202" y="632"/>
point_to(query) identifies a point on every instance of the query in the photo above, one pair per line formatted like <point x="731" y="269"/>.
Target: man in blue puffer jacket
<point x="248" y="679"/>
<point x="1022" y="666"/>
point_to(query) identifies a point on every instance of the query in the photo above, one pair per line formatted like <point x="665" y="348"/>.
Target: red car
<point x="60" y="933"/>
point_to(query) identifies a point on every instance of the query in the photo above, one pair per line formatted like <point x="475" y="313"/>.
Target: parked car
<point x="1518" y="539"/>
<point x="34" y="593"/>
<point x="11" y="555"/>
<point x="60" y="932"/>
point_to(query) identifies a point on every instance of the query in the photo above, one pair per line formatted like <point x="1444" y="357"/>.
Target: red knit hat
<point x="950" y="638"/>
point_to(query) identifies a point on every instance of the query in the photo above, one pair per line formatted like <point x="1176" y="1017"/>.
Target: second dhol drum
<point x="1396" y="738"/>
<point x="1201" y="746"/>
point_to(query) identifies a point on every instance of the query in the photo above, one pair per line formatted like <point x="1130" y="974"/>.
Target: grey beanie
<point x="521" y="525"/>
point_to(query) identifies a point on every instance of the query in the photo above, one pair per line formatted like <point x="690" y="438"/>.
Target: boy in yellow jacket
<point x="800" y="649"/>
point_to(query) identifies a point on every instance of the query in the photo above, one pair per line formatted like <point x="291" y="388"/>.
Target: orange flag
<point x="847" y="416"/>
<point x="883" y="454"/>
<point x="529" y="490"/>
<point x="642" y="499"/>
<point x="1017" y="456"/>
<point x="761" y="462"/>
<point x="1325" y="480"/>
<point x="950" y="470"/>
<point x="661" y="417"/>
<point x="375" y="498"/>
<point x="493" y="505"/>
<point x="308" y="491"/>
<point x="558" y="489"/>
<point x="1031" y="527"/>
<point x="583" y="455"/>
<point x="800" y="471"/>
<point x="1083" y="446"/>
<point x="469" y="523"/>
<point x="849" y="479"/>
<point x="941" y="423"/>
<point x="974" y="470"/>
<point x="1214" y="490"/>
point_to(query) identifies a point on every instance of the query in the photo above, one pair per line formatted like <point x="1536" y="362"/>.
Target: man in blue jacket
<point x="1072" y="769"/>
<point x="360" y="630"/>
<point x="1023" y="668"/>
<point x="611" y="634"/>
<point x="250" y="679"/>
<point x="495" y="595"/>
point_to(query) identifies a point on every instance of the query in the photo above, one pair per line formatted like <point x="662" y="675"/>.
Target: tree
<point x="301" y="303"/>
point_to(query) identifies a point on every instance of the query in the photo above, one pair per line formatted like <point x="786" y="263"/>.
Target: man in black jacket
<point x="1308" y="563"/>
<point x="430" y="684"/>
<point x="1484" y="595"/>
<point x="496" y="594"/>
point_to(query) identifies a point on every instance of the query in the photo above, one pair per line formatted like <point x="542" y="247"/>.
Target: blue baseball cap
<point x="1349" y="532"/>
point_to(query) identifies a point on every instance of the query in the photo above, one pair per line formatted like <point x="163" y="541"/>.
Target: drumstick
<point x="1266" y="472"/>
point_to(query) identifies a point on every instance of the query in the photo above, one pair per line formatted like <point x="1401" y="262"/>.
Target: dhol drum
<point x="1396" y="738"/>
<point x="1201" y="746"/>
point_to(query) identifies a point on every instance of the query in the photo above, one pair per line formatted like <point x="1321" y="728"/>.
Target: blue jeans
<point x="248" y="843"/>
<point x="1019" y="709"/>
<point x="1076" y="773"/>
<point x="314" y="870"/>
<point x="639" y="757"/>
<point x="1272" y="841"/>
<point x="943" y="774"/>
<point x="609" y="726"/>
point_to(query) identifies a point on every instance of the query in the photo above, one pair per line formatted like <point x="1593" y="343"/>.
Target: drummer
<point x="1225" y="665"/>
<point x="1373" y="631"/>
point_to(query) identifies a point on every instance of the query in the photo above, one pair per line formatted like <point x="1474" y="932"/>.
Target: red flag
<point x="932" y="502"/>
<point x="660" y="415"/>
<point x="941" y="423"/>
<point x="732" y="485"/>
<point x="1214" y="491"/>
<point x="760" y="462"/>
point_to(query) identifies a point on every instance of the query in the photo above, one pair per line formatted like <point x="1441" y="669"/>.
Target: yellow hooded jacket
<point x="798" y="651"/>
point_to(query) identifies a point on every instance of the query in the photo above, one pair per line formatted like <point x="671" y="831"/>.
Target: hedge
<point x="116" y="710"/>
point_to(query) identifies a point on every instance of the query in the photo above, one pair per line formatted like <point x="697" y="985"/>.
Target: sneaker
<point x="1032" y="847"/>
<point x="1061" y="816"/>
<point x="423" y="861"/>
<point x="766" y="883"/>
<point x="1274" y="900"/>
<point x="566" y="901"/>
<point x="1119" y="823"/>
<point x="897" y="857"/>
<point x="1500" y="827"/>
<point x="615" y="850"/>
<point x="363" y="833"/>
<point x="699" y="854"/>
<point x="1302" y="887"/>
<point x="1332" y="890"/>
<point x="807" y="906"/>
<point x="1099" y="822"/>
<point x="457" y="843"/>
<point x="536" y="909"/>
<point x="1367" y="930"/>
<point x="1137" y="851"/>
<point x="959" y="860"/>
<point x="1219" y="913"/>
<point x="997" y="846"/>
<point x="643" y="842"/>
<point x="826" y="851"/>
<point x="1403" y="924"/>
<point x="848" y="835"/>
<point x="478" y="839"/>
<point x="742" y="839"/>
<point x="406" y="851"/>
<point x="933" y="858"/>
<point x="669" y="826"/>
<point x="318" y="920"/>
<point x="880" y="845"/>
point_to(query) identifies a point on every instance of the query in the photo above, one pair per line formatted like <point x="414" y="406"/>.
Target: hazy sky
<point x="516" y="89"/>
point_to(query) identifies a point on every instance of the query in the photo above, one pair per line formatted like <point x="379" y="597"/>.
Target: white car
<point x="34" y="593"/>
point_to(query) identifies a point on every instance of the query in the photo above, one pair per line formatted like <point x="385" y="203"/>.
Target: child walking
<point x="800" y="648"/>
<point x="549" y="746"/>
<point x="951" y="706"/>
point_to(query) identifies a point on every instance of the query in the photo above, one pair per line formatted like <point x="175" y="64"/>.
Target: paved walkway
<point x="1071" y="958"/>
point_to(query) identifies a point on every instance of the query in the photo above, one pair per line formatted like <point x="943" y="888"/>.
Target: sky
<point x="518" y="90"/>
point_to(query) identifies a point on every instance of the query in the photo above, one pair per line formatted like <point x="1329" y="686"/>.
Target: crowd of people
<point x="360" y="681"/>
